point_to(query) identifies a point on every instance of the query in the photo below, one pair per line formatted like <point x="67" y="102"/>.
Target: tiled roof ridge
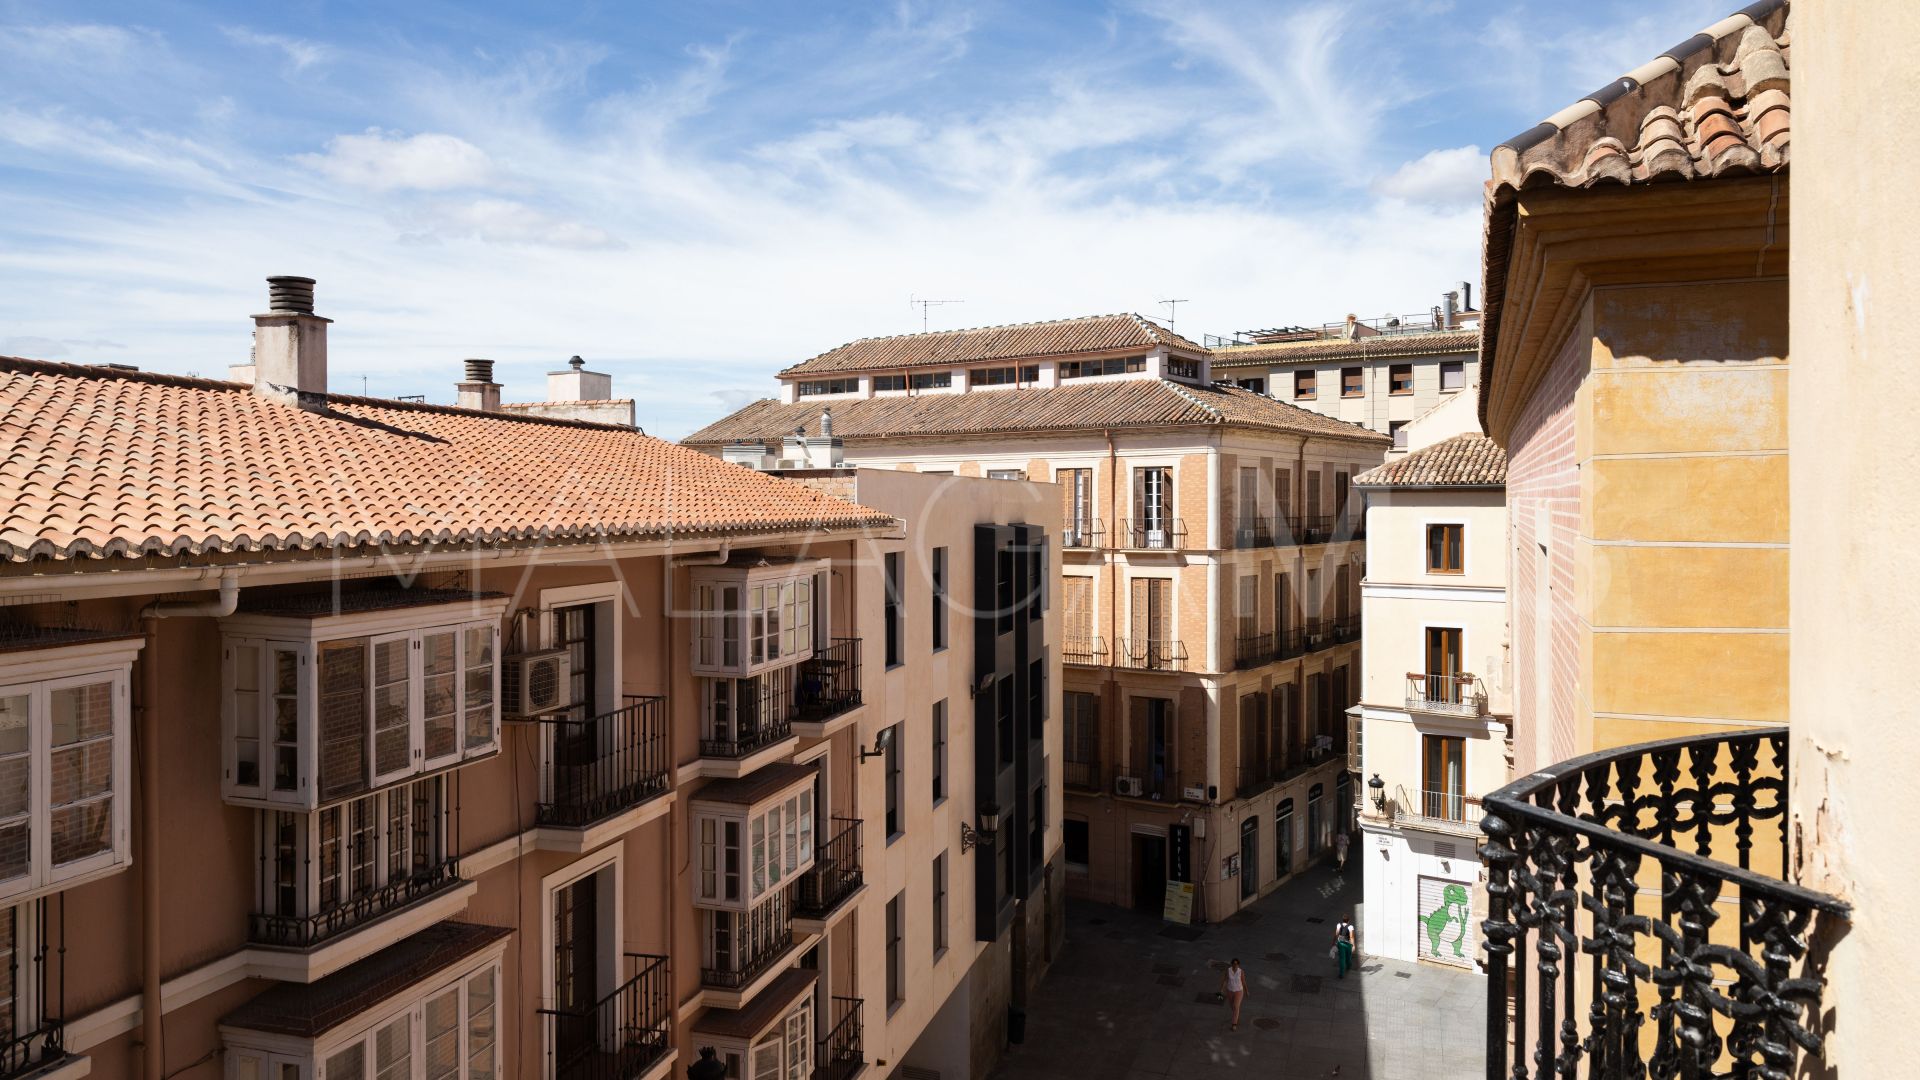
<point x="1147" y="326"/>
<point x="1416" y="344"/>
<point x="29" y="366"/>
<point x="1288" y="406"/>
<point x="1713" y="115"/>
<point x="1218" y="416"/>
<point x="570" y="401"/>
<point x="1466" y="460"/>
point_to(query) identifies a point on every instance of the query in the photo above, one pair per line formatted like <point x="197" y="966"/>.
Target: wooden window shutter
<point x="1079" y="609"/>
<point x="1140" y="619"/>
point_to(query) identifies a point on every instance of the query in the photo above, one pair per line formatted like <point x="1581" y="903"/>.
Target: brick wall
<point x="1543" y="486"/>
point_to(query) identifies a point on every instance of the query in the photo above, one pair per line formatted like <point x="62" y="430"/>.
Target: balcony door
<point x="1077" y="488"/>
<point x="1153" y="504"/>
<point x="576" y="743"/>
<point x="1149" y="755"/>
<point x="1443" y="777"/>
<point x="1246" y="507"/>
<point x="1151" y="626"/>
<point x="576" y="969"/>
<point x="1443" y="664"/>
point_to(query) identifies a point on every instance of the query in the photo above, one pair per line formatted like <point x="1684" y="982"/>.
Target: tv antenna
<point x="1172" y="307"/>
<point x="923" y="305"/>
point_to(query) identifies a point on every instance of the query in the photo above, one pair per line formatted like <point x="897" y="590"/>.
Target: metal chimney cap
<point x="576" y="363"/>
<point x="479" y="371"/>
<point x="287" y="292"/>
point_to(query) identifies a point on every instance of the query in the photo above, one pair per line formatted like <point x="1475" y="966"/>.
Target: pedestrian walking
<point x="709" y="1067"/>
<point x="1340" y="851"/>
<point x="1343" y="945"/>
<point x="1233" y="986"/>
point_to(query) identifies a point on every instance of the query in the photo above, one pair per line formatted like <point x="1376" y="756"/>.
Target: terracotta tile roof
<point x="1438" y="343"/>
<point x="97" y="462"/>
<point x="1470" y="460"/>
<point x="768" y="1006"/>
<point x="762" y="783"/>
<point x="1118" y="403"/>
<point x="585" y="401"/>
<point x="1057" y="337"/>
<point x="1718" y="104"/>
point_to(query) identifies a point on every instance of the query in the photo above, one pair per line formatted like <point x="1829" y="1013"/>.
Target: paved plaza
<point x="1132" y="998"/>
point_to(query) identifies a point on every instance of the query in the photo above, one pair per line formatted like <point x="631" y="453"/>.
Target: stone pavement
<point x="1131" y="999"/>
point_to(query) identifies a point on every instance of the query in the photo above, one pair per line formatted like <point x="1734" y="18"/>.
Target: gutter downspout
<point x="152" y="1008"/>
<point x="711" y="558"/>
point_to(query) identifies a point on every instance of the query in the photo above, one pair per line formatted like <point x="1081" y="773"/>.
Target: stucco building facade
<point x="452" y="742"/>
<point x="1211" y="552"/>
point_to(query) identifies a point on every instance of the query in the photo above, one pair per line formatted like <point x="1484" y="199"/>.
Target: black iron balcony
<point x="1454" y="695"/>
<point x="1345" y="628"/>
<point x="1252" y="650"/>
<point x="1153" y="533"/>
<point x="758" y="940"/>
<point x="828" y="683"/>
<point x="1080" y="775"/>
<point x="1574" y="853"/>
<point x="1087" y="652"/>
<point x="1437" y="809"/>
<point x="598" y="767"/>
<point x="839" y="1056"/>
<point x="1254" y="779"/>
<point x="1316" y="634"/>
<point x="620" y="1036"/>
<point x="40" y="977"/>
<point x="1153" y="655"/>
<point x="1084" y="534"/>
<point x="1144" y="781"/>
<point x="354" y="911"/>
<point x="835" y="873"/>
<point x="1252" y="533"/>
<point x="1313" y="529"/>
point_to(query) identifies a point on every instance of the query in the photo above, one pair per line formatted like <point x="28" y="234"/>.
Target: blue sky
<point x="694" y="195"/>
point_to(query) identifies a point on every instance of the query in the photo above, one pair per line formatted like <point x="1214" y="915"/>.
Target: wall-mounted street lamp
<point x="971" y="837"/>
<point x="880" y="744"/>
<point x="1379" y="788"/>
<point x="981" y="683"/>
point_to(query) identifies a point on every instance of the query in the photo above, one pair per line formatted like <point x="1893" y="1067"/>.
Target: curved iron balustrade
<point x="1569" y="853"/>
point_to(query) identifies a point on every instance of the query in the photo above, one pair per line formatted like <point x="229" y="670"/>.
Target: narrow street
<point x="1132" y="998"/>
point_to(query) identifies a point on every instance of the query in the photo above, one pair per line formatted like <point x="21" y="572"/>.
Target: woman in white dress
<point x="1233" y="985"/>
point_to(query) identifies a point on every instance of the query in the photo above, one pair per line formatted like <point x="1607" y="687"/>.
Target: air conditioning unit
<point x="535" y="683"/>
<point x="1129" y="786"/>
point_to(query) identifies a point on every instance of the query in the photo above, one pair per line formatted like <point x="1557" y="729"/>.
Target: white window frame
<point x="271" y="634"/>
<point x="774" y="1044"/>
<point x="788" y="823"/>
<point x="760" y="643"/>
<point x="310" y="1056"/>
<point x="35" y="674"/>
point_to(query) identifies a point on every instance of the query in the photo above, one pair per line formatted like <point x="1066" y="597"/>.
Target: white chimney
<point x="479" y="391"/>
<point x="1447" y="308"/>
<point x="578" y="384"/>
<point x="290" y="345"/>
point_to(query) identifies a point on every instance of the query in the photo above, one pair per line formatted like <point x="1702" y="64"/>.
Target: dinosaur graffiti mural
<point x="1452" y="909"/>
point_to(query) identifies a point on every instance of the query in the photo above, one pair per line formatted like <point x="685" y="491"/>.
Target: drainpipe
<point x="152" y="1009"/>
<point x="710" y="558"/>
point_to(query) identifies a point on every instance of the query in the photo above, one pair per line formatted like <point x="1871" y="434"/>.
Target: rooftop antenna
<point x="923" y="305"/>
<point x="1172" y="307"/>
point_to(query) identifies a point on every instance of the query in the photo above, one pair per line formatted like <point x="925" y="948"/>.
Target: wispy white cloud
<point x="388" y="161"/>
<point x="300" y="54"/>
<point x="1438" y="177"/>
<point x="505" y="221"/>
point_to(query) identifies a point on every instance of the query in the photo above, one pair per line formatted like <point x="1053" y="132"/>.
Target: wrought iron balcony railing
<point x="1313" y="529"/>
<point x="619" y="1037"/>
<point x="1153" y="655"/>
<point x="1252" y="533"/>
<point x="1254" y="779"/>
<point x="1087" y="652"/>
<point x="1162" y="532"/>
<point x="766" y="706"/>
<point x="1656" y="867"/>
<point x="354" y="911"/>
<point x="36" y="982"/>
<point x="1080" y="775"/>
<point x="839" y="1055"/>
<point x="1455" y="695"/>
<point x="1252" y="650"/>
<point x="1437" y="808"/>
<point x="598" y="767"/>
<point x="1345" y="628"/>
<point x="1085" y="534"/>
<point x="835" y="872"/>
<point x="757" y="939"/>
